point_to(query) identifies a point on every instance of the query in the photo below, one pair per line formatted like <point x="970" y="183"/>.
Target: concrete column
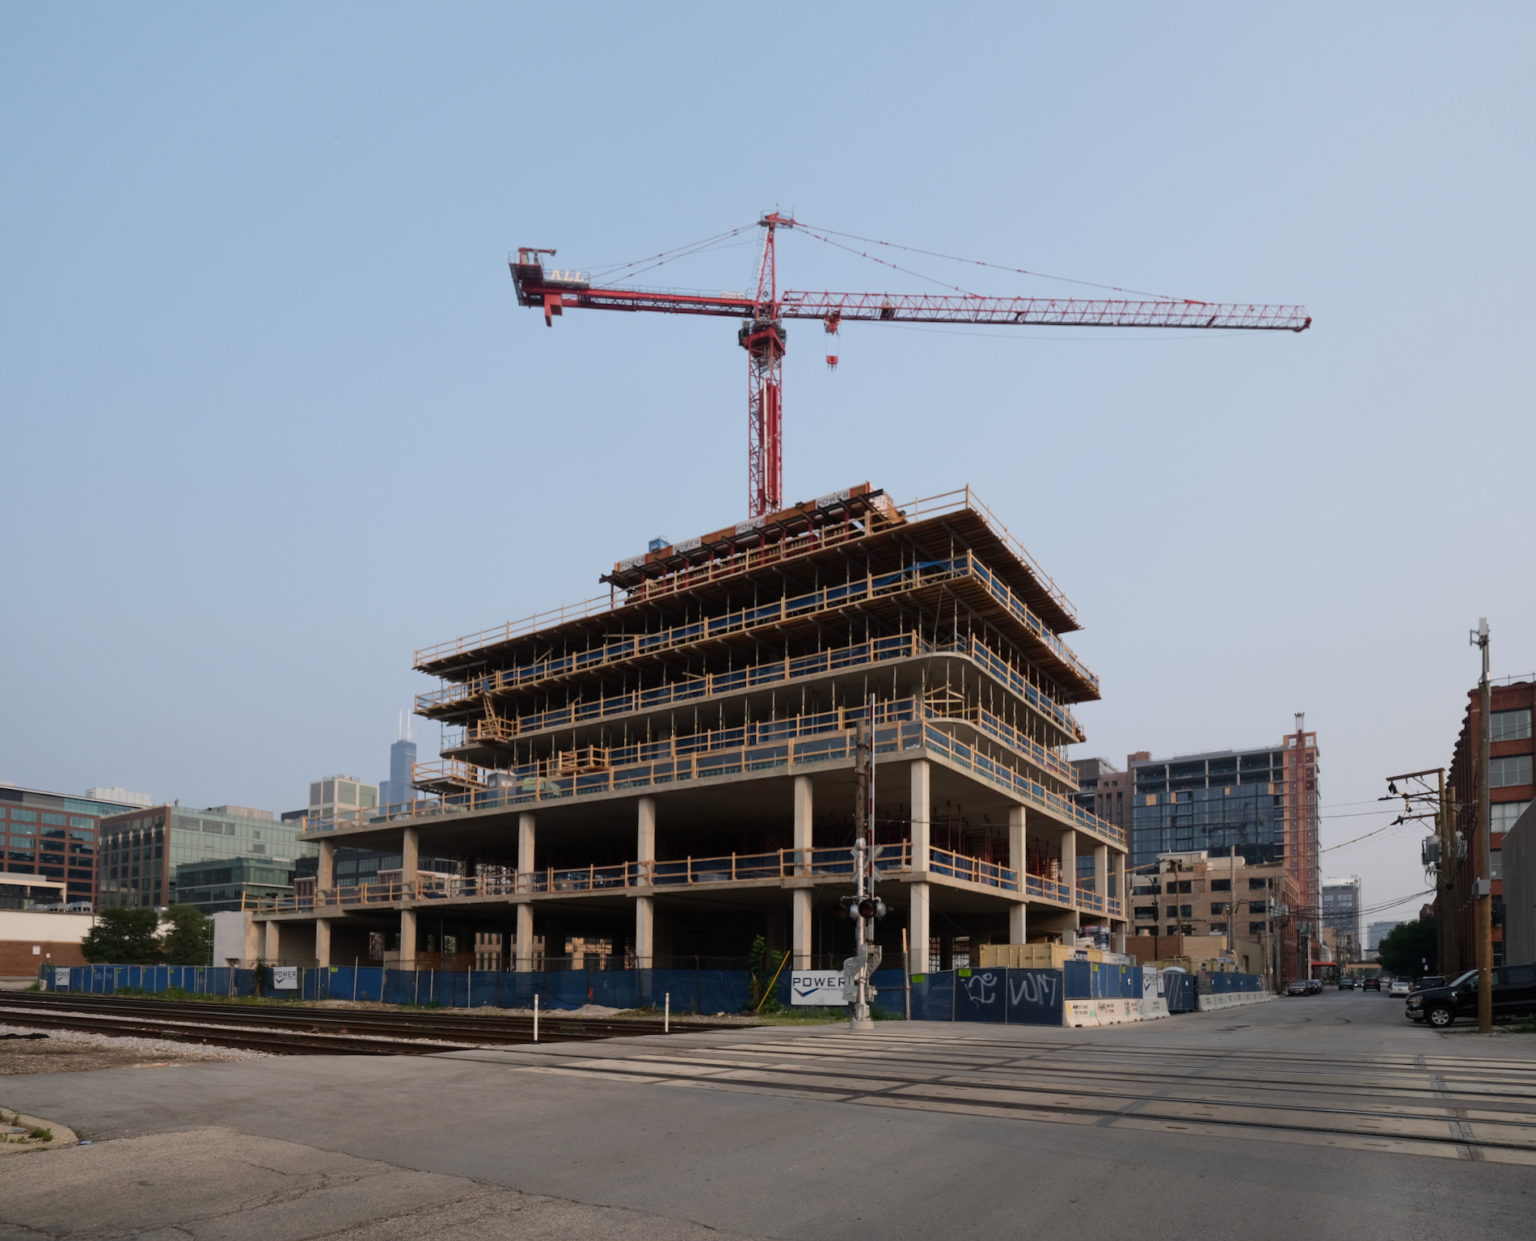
<point x="410" y="856"/>
<point x="645" y="835"/>
<point x="1069" y="873"/>
<point x="524" y="844"/>
<point x="803" y="808"/>
<point x="645" y="932"/>
<point x="921" y="799"/>
<point x="323" y="943"/>
<point x="1017" y="843"/>
<point x="1017" y="849"/>
<point x="1117" y="890"/>
<point x="407" y="939"/>
<point x="800" y="898"/>
<point x="800" y="928"/>
<point x="524" y="945"/>
<point x="1101" y="874"/>
<point x="325" y="872"/>
<point x="274" y="943"/>
<point x="918" y="929"/>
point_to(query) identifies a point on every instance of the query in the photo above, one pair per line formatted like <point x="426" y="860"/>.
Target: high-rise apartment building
<point x="1261" y="804"/>
<point x="1341" y="915"/>
<point x="671" y="769"/>
<point x="1511" y="788"/>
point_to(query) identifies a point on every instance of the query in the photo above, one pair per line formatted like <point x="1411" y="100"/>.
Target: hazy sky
<point x="272" y="418"/>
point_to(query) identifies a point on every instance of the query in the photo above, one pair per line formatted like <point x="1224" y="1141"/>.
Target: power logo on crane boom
<point x="762" y="332"/>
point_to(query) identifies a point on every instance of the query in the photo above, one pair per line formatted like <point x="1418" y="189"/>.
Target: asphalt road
<point x="1326" y="1116"/>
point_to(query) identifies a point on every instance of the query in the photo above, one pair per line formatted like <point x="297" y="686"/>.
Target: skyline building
<point x="341" y="794"/>
<point x="1375" y="932"/>
<point x="400" y="787"/>
<point x="1341" y="913"/>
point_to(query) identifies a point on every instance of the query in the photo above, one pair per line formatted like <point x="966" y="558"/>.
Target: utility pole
<point x="1484" y="881"/>
<point x="1232" y="901"/>
<point x="1443" y="817"/>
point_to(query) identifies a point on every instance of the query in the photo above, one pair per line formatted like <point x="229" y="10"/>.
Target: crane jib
<point x="552" y="290"/>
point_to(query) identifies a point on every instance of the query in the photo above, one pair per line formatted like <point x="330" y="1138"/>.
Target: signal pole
<point x="1484" y="881"/>
<point x="859" y="969"/>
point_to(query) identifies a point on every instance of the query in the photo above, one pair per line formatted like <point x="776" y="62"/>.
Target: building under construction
<point x="662" y="775"/>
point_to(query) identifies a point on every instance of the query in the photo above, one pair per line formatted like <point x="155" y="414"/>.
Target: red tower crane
<point x="762" y="328"/>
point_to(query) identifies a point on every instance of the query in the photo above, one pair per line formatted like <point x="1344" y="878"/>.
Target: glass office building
<point x="53" y="835"/>
<point x="141" y="850"/>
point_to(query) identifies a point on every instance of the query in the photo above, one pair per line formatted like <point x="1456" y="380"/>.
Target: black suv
<point x="1514" y="995"/>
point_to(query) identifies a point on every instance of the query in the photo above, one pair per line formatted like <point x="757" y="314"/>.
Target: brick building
<point x="1511" y="788"/>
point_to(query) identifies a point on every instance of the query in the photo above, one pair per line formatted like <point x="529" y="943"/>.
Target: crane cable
<point x="611" y="272"/>
<point x="954" y="258"/>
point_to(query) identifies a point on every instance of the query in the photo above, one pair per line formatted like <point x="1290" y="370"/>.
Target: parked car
<point x="1314" y="986"/>
<point x="1430" y="980"/>
<point x="1399" y="987"/>
<point x="1302" y="986"/>
<point x="1371" y="984"/>
<point x="1346" y="984"/>
<point x="1514" y="995"/>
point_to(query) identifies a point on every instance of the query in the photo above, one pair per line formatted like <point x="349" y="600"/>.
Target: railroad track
<point x="299" y="1030"/>
<point x="1439" y="1105"/>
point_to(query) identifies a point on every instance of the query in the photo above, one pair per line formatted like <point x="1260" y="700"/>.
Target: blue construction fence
<point x="1019" y="996"/>
<point x="698" y="992"/>
<point x="1226" y="984"/>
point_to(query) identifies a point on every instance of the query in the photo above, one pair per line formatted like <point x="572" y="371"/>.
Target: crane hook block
<point x="831" y="361"/>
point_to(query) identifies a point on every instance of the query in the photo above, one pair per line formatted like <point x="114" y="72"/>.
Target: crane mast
<point x="762" y="332"/>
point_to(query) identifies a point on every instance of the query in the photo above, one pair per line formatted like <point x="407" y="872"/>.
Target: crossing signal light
<point x="871" y="907"/>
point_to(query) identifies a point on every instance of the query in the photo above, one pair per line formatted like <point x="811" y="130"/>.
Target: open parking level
<point x="1330" y="1115"/>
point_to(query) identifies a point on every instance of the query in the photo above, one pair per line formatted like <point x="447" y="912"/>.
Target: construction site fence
<point x="697" y="992"/>
<point x="1019" y="996"/>
<point x="1225" y="983"/>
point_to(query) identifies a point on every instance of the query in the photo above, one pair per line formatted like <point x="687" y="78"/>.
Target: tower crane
<point x="762" y="315"/>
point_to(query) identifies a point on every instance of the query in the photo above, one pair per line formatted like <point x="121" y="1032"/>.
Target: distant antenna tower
<point x="403" y="731"/>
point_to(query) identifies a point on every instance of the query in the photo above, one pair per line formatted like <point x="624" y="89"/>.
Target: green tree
<point x="123" y="937"/>
<point x="1411" y="949"/>
<point x="762" y="968"/>
<point x="188" y="940"/>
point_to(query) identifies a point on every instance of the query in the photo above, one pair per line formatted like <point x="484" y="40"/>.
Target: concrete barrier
<point x="1101" y="1012"/>
<point x="1151" y="1007"/>
<point x="1232" y="999"/>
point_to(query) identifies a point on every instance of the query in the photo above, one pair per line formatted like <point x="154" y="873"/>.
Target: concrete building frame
<point x="672" y="769"/>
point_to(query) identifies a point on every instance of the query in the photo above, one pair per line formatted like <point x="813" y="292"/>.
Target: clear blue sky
<point x="272" y="418"/>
